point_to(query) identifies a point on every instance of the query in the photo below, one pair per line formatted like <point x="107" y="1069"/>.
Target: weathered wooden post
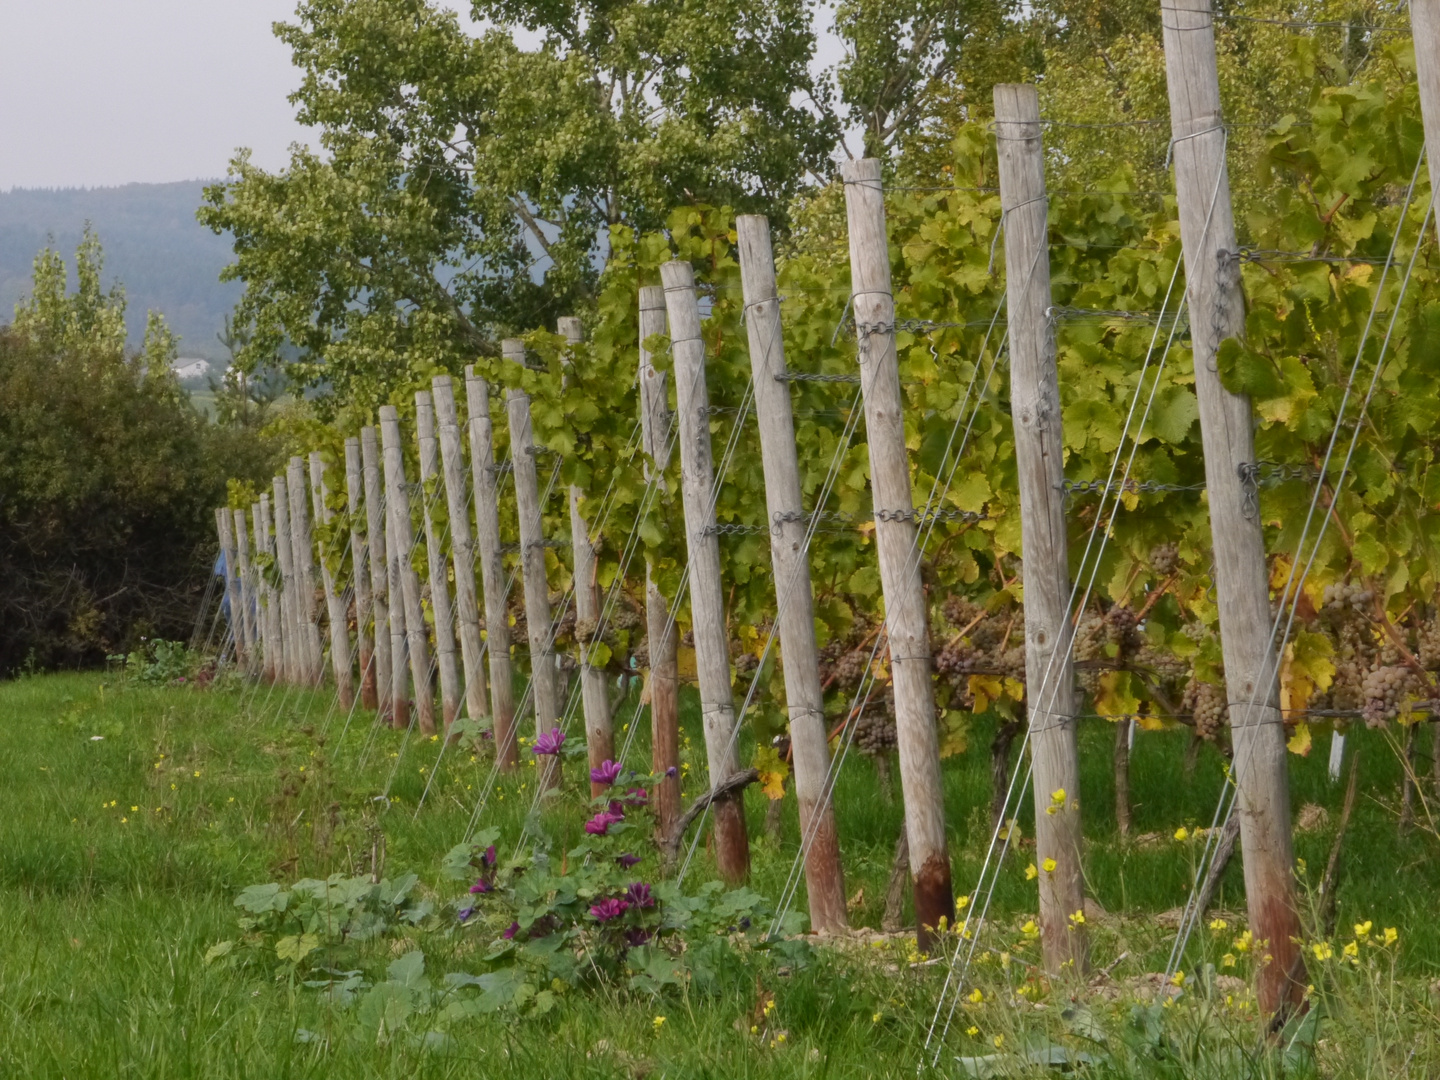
<point x="435" y="554"/>
<point x="285" y="558"/>
<point x="663" y="639"/>
<point x="1217" y="311"/>
<point x="1040" y="461"/>
<point x="270" y="616"/>
<point x="225" y="534"/>
<point x="336" y="610"/>
<point x="544" y="679"/>
<point x="790" y="561"/>
<point x="462" y="547"/>
<point x="707" y="595"/>
<point x="594" y="695"/>
<point x="492" y="573"/>
<point x="387" y="659"/>
<point x="248" y="607"/>
<point x="307" y="612"/>
<point x="895" y="538"/>
<point x="1425" y="31"/>
<point x="402" y="564"/>
<point x="366" y="625"/>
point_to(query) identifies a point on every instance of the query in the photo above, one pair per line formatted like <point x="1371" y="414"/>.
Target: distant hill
<point x="166" y="260"/>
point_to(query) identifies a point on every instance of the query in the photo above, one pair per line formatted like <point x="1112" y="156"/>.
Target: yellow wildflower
<point x="1178" y="979"/>
<point x="1362" y="929"/>
<point x="1228" y="960"/>
<point x="1182" y="833"/>
<point x="1243" y="942"/>
<point x="972" y="1031"/>
<point x="1322" y="950"/>
<point x="1031" y="873"/>
<point x="1352" y="951"/>
<point x="1049" y="865"/>
<point x="1391" y="936"/>
<point x="1077" y="919"/>
<point x="1218" y="924"/>
<point x="976" y="997"/>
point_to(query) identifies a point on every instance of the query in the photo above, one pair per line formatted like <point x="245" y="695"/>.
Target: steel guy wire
<point x="1269" y="670"/>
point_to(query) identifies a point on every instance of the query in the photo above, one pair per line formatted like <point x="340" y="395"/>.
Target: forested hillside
<point x="167" y="261"/>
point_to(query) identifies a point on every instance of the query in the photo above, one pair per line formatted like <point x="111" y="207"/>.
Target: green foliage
<point x="159" y="662"/>
<point x="108" y="478"/>
<point x="453" y="166"/>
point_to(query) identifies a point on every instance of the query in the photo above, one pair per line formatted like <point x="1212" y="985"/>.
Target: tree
<point x="468" y="185"/>
<point x="107" y="479"/>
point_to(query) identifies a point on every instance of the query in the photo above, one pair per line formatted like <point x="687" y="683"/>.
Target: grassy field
<point x="134" y="815"/>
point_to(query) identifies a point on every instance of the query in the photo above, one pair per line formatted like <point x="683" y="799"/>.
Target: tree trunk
<point x="398" y="489"/>
<point x="335" y="609"/>
<point x="436" y="562"/>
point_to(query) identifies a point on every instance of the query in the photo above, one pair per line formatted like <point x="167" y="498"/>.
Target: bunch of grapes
<point x="1166" y="666"/>
<point x="585" y="630"/>
<point x="1382" y="691"/>
<point x="625" y="616"/>
<point x="1165" y="559"/>
<point x="1089" y="638"/>
<point x="745" y="661"/>
<point x="1343" y="597"/>
<point x="1121" y="631"/>
<point x="1205" y="702"/>
<point x="958" y="660"/>
<point x="1355" y="654"/>
<point x="875" y="733"/>
<point x="1427" y="643"/>
<point x="850" y="668"/>
<point x="959" y="612"/>
<point x="640" y="654"/>
<point x="1011" y="662"/>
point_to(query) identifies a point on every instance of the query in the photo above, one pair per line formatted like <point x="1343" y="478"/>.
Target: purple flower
<point x="465" y="913"/>
<point x="636" y="796"/>
<point x="489" y="857"/>
<point x="482" y="886"/>
<point x="607" y="773"/>
<point x="600" y="824"/>
<point x="638" y="895"/>
<point x="511" y="931"/>
<point x="609" y="909"/>
<point x="548" y="745"/>
<point x="627" y="861"/>
<point x="672" y="772"/>
<point x="636" y="936"/>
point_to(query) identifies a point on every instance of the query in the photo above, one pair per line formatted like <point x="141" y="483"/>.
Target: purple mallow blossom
<point x="627" y="861"/>
<point x="489" y="857"/>
<point x="636" y="936"/>
<point x="549" y="744"/>
<point x="482" y="886"/>
<point x="672" y="772"/>
<point x="465" y="913"/>
<point x="607" y="773"/>
<point x="638" y="895"/>
<point x="609" y="909"/>
<point x="636" y="796"/>
<point x="600" y="824"/>
<point x="511" y="931"/>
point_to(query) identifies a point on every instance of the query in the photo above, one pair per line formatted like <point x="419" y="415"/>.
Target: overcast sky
<point x="104" y="92"/>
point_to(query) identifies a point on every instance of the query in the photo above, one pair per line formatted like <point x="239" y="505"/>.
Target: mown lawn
<point x="134" y="815"/>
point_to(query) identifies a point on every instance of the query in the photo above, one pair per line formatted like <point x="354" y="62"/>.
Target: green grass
<point x="107" y="910"/>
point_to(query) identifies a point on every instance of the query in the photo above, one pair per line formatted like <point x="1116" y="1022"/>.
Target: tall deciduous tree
<point x="466" y="185"/>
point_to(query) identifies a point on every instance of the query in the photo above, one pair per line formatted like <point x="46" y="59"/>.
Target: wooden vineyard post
<point x="1425" y="30"/>
<point x="365" y="622"/>
<point x="790" y="561"/>
<point x="389" y="646"/>
<point x="307" y="612"/>
<point x="663" y="640"/>
<point x="335" y="607"/>
<point x="285" y="559"/>
<point x="225" y="534"/>
<point x="895" y="538"/>
<point x="248" y="607"/>
<point x="544" y="681"/>
<point x="594" y="695"/>
<point x="435" y="554"/>
<point x="272" y="618"/>
<point x="402" y="564"/>
<point x="1217" y="311"/>
<point x="462" y="548"/>
<point x="1040" y="460"/>
<point x="707" y="596"/>
<point x="483" y="474"/>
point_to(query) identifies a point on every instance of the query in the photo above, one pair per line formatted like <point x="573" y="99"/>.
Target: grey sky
<point x="104" y="92"/>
